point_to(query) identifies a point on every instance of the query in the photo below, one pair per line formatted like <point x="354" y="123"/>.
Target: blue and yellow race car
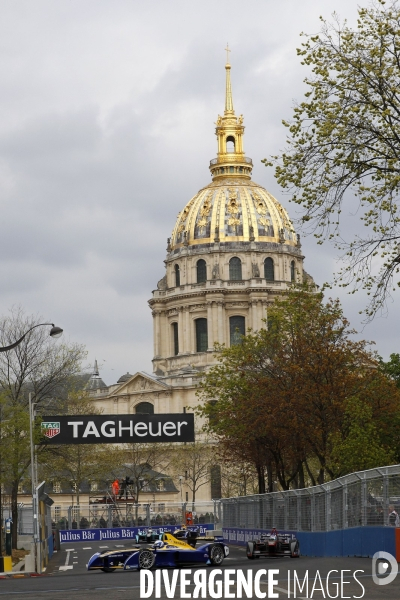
<point x="168" y="552"/>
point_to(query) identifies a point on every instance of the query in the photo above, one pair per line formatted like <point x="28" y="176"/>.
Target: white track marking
<point x="66" y="566"/>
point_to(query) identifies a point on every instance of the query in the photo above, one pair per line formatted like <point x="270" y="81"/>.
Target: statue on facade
<point x="215" y="271"/>
<point x="162" y="284"/>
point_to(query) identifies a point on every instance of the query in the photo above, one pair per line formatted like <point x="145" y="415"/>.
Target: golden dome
<point x="232" y="208"/>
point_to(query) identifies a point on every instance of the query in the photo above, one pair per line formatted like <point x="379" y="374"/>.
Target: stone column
<point x="259" y="314"/>
<point x="156" y="316"/>
<point x="181" y="336"/>
<point x="190" y="332"/>
<point x="187" y="345"/>
<point x="162" y="337"/>
<point x="215" y="322"/>
<point x="210" y="334"/>
<point x="263" y="313"/>
<point x="254" y="316"/>
<point x="220" y="311"/>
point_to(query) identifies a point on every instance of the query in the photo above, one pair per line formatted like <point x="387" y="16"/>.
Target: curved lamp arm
<point x="54" y="332"/>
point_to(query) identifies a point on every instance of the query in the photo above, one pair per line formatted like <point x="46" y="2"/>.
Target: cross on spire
<point x="227" y="52"/>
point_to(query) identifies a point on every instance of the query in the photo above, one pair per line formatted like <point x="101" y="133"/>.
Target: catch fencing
<point x="357" y="500"/>
<point x="130" y="514"/>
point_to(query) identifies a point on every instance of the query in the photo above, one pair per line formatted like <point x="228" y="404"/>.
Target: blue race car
<point x="168" y="552"/>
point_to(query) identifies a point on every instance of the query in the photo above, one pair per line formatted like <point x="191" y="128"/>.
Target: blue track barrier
<point x="355" y="541"/>
<point x="120" y="533"/>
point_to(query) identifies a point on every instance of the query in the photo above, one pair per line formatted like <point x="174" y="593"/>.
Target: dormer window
<point x="292" y="271"/>
<point x="201" y="335"/>
<point x="177" y="276"/>
<point x="201" y="271"/>
<point x="144" y="408"/>
<point x="235" y="269"/>
<point x="269" y="269"/>
<point x="175" y="337"/>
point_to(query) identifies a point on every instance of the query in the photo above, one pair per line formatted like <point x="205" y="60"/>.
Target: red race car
<point x="272" y="545"/>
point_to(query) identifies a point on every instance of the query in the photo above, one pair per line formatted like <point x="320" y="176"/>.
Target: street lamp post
<point x="55" y="332"/>
<point x="34" y="484"/>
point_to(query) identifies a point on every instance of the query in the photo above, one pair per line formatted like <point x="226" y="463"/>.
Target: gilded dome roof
<point x="232" y="208"/>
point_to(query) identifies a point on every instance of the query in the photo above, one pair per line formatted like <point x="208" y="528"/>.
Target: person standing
<point x="394" y="519"/>
<point x="115" y="488"/>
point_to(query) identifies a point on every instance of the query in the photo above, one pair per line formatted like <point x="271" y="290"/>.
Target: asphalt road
<point x="67" y="578"/>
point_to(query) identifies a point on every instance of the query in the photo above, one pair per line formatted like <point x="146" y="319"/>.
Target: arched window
<point x="175" y="338"/>
<point x="269" y="269"/>
<point x="201" y="335"/>
<point x="292" y="271"/>
<point x="235" y="269"/>
<point x="144" y="408"/>
<point x="177" y="276"/>
<point x="230" y="143"/>
<point x="236" y="329"/>
<point x="201" y="271"/>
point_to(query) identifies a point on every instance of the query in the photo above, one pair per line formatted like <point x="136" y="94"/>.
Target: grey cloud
<point x="107" y="130"/>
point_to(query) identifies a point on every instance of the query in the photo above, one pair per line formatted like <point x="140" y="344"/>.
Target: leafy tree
<point x="392" y="368"/>
<point x="343" y="142"/>
<point x="195" y="460"/>
<point x="39" y="366"/>
<point x="277" y="398"/>
<point x="358" y="446"/>
<point x="142" y="462"/>
<point x="238" y="478"/>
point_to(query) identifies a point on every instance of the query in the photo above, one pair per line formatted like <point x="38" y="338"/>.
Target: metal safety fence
<point x="357" y="500"/>
<point x="130" y="514"/>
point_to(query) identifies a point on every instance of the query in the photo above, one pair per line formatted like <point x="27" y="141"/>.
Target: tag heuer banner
<point x="118" y="429"/>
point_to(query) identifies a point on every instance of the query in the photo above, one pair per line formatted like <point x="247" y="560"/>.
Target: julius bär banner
<point x="118" y="429"/>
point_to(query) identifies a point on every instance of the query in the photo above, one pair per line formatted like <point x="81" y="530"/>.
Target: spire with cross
<point x="228" y="95"/>
<point x="227" y="53"/>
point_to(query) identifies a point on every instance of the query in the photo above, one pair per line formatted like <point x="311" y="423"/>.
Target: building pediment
<point x="140" y="383"/>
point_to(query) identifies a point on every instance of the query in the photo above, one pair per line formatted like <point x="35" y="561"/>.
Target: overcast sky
<point x="106" y="131"/>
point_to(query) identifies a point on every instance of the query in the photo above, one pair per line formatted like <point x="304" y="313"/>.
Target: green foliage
<point x="392" y="368"/>
<point x="38" y="366"/>
<point x="343" y="142"/>
<point x="358" y="445"/>
<point x="276" y="400"/>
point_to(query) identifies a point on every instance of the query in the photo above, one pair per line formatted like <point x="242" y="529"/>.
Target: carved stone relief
<point x="215" y="271"/>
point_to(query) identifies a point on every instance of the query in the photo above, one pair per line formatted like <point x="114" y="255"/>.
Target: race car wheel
<point x="146" y="559"/>
<point x="249" y="550"/>
<point x="216" y="555"/>
<point x="295" y="553"/>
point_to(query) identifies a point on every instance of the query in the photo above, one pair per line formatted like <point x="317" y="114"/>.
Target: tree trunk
<point x="261" y="480"/>
<point x="270" y="477"/>
<point x="301" y="482"/>
<point x="321" y="476"/>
